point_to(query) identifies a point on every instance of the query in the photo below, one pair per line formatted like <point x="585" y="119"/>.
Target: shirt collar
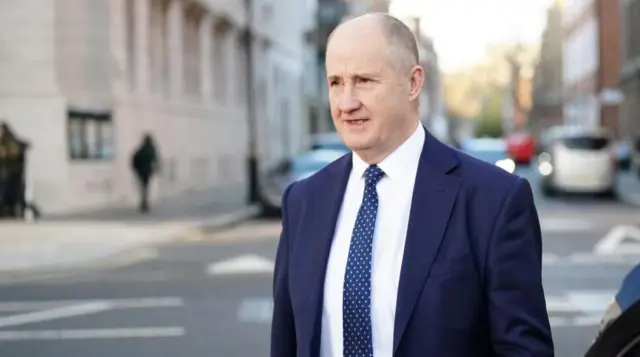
<point x="394" y="165"/>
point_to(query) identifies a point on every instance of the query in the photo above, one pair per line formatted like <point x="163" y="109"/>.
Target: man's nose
<point x="348" y="102"/>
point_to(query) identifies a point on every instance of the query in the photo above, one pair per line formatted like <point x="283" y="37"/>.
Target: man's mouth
<point x="356" y="122"/>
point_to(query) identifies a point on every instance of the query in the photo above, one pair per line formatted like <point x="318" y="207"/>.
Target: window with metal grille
<point x="90" y="135"/>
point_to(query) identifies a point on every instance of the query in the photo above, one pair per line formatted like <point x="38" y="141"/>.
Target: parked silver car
<point x="297" y="168"/>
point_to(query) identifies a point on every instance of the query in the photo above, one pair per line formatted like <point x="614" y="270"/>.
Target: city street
<point x="209" y="295"/>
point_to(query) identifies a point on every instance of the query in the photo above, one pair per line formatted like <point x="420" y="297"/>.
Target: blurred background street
<point x="114" y="245"/>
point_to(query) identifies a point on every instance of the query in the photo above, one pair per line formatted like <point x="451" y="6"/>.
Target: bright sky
<point x="462" y="28"/>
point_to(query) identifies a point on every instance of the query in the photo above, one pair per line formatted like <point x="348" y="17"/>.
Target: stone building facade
<point x="83" y="80"/>
<point x="88" y="78"/>
<point x="591" y="63"/>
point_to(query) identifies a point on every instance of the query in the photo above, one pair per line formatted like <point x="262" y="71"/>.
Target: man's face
<point x="369" y="95"/>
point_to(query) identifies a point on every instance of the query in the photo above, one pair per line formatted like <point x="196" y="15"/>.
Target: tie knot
<point x="373" y="175"/>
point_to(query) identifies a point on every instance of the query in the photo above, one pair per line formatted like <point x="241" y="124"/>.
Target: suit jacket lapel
<point x="433" y="199"/>
<point x="321" y="220"/>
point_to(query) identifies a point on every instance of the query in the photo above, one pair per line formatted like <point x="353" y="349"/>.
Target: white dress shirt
<point x="395" y="191"/>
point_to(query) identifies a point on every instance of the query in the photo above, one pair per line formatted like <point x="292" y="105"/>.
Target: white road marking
<point x="586" y="307"/>
<point x="115" y="333"/>
<point x="260" y="310"/>
<point x="591" y="301"/>
<point x="588" y="258"/>
<point x="559" y="304"/>
<point x="60" y="309"/>
<point x="587" y="320"/>
<point x="550" y="258"/>
<point x="54" y="314"/>
<point x="255" y="310"/>
<point x="147" y="303"/>
<point x="557" y="321"/>
<point x="577" y="321"/>
<point x="565" y="225"/>
<point x="244" y="264"/>
<point x="614" y="241"/>
<point x="153" y="302"/>
<point x="583" y="301"/>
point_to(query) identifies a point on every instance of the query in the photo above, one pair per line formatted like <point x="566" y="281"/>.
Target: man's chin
<point x="357" y="145"/>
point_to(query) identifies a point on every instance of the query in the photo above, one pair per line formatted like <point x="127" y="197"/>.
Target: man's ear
<point x="417" y="82"/>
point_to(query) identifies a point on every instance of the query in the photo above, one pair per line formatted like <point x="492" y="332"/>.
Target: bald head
<point x="399" y="39"/>
<point x="374" y="82"/>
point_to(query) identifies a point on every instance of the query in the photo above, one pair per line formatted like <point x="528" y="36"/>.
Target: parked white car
<point x="580" y="160"/>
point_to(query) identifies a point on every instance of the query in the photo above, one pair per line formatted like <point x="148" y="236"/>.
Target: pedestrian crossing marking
<point x="578" y="308"/>
<point x="583" y="308"/>
<point x="564" y="225"/>
<point x="35" y="312"/>
<point x="588" y="258"/>
<point x="255" y="310"/>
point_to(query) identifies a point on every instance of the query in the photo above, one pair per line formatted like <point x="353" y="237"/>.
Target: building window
<point x="90" y="135"/>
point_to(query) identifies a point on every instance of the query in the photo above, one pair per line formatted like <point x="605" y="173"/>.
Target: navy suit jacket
<point x="470" y="282"/>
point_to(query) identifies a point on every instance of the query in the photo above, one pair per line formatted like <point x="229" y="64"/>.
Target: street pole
<point x="252" y="158"/>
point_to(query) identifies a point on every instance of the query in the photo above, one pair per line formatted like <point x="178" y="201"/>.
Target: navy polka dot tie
<point x="356" y="303"/>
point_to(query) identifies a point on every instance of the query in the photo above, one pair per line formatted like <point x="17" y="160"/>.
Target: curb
<point x="130" y="255"/>
<point x="224" y="220"/>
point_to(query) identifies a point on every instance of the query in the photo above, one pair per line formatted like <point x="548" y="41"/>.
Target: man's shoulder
<point x="477" y="172"/>
<point x="485" y="181"/>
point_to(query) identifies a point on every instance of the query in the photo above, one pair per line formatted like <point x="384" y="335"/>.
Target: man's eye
<point x="364" y="80"/>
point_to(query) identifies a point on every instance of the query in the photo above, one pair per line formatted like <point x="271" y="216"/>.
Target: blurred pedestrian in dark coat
<point x="12" y="160"/>
<point x="144" y="163"/>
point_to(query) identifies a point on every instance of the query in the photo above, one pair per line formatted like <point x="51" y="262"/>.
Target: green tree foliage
<point x="490" y="120"/>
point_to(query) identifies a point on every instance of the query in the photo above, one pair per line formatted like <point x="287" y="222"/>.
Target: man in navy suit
<point x="404" y="247"/>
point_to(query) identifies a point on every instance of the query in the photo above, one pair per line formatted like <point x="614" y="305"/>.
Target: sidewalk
<point x="629" y="187"/>
<point x="195" y="206"/>
<point x="77" y="241"/>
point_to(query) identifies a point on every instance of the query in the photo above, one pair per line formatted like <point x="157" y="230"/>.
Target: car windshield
<point x="314" y="161"/>
<point x="591" y="143"/>
<point x="490" y="150"/>
<point x="488" y="155"/>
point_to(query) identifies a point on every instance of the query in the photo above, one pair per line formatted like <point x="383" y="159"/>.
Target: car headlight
<point x="545" y="168"/>
<point x="507" y="165"/>
<point x="544" y="157"/>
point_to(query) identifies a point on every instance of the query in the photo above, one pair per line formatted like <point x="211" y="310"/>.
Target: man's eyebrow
<point x="365" y="74"/>
<point x="355" y="75"/>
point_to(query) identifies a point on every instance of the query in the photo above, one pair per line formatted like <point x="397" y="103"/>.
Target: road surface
<point x="210" y="295"/>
